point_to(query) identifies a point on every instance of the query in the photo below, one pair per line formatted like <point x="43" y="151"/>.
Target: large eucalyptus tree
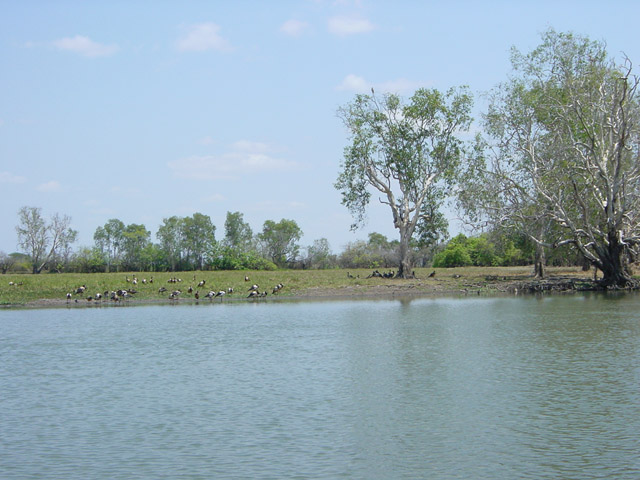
<point x="563" y="153"/>
<point x="406" y="151"/>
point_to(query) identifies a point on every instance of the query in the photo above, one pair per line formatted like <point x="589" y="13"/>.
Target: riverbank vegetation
<point x="93" y="289"/>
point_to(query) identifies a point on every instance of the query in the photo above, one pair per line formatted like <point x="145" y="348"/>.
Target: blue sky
<point x="140" y="110"/>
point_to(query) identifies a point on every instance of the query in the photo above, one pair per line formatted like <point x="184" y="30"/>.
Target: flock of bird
<point x="174" y="294"/>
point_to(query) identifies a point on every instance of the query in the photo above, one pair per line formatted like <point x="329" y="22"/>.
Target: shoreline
<point x="411" y="289"/>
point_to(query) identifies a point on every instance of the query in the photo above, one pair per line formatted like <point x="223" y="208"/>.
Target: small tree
<point x="135" y="240"/>
<point x="199" y="241"/>
<point x="238" y="233"/>
<point x="407" y="152"/>
<point x="110" y="240"/>
<point x="40" y="239"/>
<point x="319" y="254"/>
<point x="279" y="241"/>
<point x="6" y="262"/>
<point x="170" y="235"/>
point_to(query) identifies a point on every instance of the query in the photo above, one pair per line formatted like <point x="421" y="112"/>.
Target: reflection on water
<point x="533" y="387"/>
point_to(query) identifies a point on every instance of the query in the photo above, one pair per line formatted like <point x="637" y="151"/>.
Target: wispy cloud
<point x="7" y="177"/>
<point x="344" y="26"/>
<point x="357" y="84"/>
<point x="215" y="198"/>
<point x="203" y="37"/>
<point x="85" y="46"/>
<point x="294" y="28"/>
<point x="354" y="83"/>
<point x="207" y="140"/>
<point x="243" y="158"/>
<point x="49" y="187"/>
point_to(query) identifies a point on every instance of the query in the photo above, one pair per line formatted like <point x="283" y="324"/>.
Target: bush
<point x="233" y="259"/>
<point x="456" y="256"/>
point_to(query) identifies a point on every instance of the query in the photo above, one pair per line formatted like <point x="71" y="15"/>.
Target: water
<point x="540" y="388"/>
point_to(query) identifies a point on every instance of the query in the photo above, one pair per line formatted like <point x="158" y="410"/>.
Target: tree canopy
<point x="562" y="153"/>
<point x="407" y="151"/>
<point x="279" y="240"/>
<point x="43" y="240"/>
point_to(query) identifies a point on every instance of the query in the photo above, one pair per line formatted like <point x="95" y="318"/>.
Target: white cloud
<point x="244" y="158"/>
<point x="85" y="46"/>
<point x="203" y="37"/>
<point x="249" y="146"/>
<point x="7" y="177"/>
<point x="49" y="187"/>
<point x="294" y="28"/>
<point x="349" y="26"/>
<point x="354" y="83"/>
<point x="215" y="198"/>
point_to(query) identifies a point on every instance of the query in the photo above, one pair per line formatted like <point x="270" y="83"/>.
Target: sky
<point x="141" y="110"/>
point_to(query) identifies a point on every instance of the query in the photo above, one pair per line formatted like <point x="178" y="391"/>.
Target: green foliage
<point x="198" y="236"/>
<point x="462" y="251"/>
<point x="279" y="241"/>
<point x="135" y="239"/>
<point x="110" y="240"/>
<point x="319" y="255"/>
<point x="238" y="233"/>
<point x="170" y="235"/>
<point x="230" y="258"/>
<point x="361" y="254"/>
<point x="454" y="256"/>
<point x="409" y="153"/>
<point x="560" y="162"/>
<point x="88" y="260"/>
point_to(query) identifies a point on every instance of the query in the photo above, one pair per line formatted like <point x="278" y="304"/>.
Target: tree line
<point x="189" y="243"/>
<point x="183" y="243"/>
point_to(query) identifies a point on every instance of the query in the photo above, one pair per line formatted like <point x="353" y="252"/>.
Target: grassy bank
<point x="30" y="289"/>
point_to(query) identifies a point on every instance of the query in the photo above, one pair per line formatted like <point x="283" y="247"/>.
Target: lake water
<point x="447" y="388"/>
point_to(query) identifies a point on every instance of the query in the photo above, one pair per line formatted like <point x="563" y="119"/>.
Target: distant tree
<point x="42" y="240"/>
<point x="279" y="240"/>
<point x="359" y="254"/>
<point x="135" y="240"/>
<point x="385" y="251"/>
<point x="6" y="262"/>
<point x="238" y="233"/>
<point x="199" y="241"/>
<point x="88" y="260"/>
<point x="170" y="235"/>
<point x="22" y="262"/>
<point x="455" y="254"/>
<point x="110" y="240"/>
<point x="229" y="258"/>
<point x="319" y="254"/>
<point x="407" y="152"/>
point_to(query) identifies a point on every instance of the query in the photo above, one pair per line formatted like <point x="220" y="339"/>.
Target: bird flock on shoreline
<point x="173" y="294"/>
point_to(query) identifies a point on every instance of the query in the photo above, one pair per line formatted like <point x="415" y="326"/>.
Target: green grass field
<point x="26" y="288"/>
